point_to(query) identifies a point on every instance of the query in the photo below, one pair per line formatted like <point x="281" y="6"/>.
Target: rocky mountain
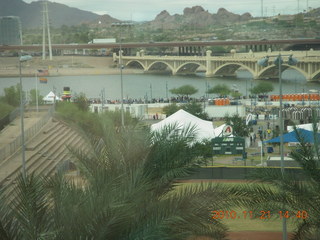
<point x="60" y="14"/>
<point x="197" y="17"/>
<point x="313" y="13"/>
<point x="31" y="13"/>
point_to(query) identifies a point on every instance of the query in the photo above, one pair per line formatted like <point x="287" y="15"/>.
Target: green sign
<point x="228" y="145"/>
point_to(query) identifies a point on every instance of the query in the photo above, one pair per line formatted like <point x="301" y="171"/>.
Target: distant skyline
<point x="146" y="10"/>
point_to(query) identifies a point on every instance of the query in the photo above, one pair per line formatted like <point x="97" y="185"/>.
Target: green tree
<point x="192" y="107"/>
<point x="69" y="112"/>
<point x="12" y="95"/>
<point x="262" y="88"/>
<point x="236" y="94"/>
<point x="221" y="89"/>
<point x="239" y="125"/>
<point x="195" y="109"/>
<point x="185" y="90"/>
<point x="170" y="109"/>
<point x="33" y="97"/>
<point x="5" y="109"/>
<point x="81" y="101"/>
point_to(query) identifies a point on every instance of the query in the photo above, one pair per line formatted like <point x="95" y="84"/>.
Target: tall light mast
<point x="45" y="27"/>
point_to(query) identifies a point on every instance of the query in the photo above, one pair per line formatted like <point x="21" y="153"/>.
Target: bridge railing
<point x="314" y="54"/>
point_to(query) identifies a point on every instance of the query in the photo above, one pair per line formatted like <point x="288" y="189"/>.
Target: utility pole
<point x="45" y="27"/>
<point x="167" y="90"/>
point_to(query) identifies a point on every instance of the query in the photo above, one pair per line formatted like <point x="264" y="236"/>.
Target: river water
<point x="137" y="86"/>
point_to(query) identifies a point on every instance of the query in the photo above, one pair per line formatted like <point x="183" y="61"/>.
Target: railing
<point x="12" y="147"/>
<point x="310" y="55"/>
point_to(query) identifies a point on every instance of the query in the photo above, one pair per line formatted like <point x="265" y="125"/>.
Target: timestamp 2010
<point x="263" y="214"/>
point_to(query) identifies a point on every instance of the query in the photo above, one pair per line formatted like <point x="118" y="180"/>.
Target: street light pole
<point x="23" y="147"/>
<point x="123" y="24"/>
<point x="121" y="82"/>
<point x="278" y="61"/>
<point x="284" y="221"/>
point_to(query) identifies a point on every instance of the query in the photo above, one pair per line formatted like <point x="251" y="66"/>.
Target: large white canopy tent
<point x="204" y="129"/>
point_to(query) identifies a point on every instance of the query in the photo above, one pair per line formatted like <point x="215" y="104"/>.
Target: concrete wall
<point x="222" y="111"/>
<point x="235" y="173"/>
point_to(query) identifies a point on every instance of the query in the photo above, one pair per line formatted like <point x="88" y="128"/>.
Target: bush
<point x="5" y="109"/>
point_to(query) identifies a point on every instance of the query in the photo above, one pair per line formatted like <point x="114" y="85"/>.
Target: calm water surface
<point x="157" y="86"/>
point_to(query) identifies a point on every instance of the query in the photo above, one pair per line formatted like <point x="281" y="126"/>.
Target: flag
<point x="43" y="72"/>
<point x="43" y="80"/>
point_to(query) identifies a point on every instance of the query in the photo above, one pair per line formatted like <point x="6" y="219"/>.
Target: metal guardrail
<point x="28" y="134"/>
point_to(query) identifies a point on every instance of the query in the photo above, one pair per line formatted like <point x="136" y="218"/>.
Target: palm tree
<point x="128" y="191"/>
<point x="297" y="196"/>
<point x="26" y="214"/>
<point x="134" y="172"/>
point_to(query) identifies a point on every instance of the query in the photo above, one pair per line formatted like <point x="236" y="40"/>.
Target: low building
<point x="10" y="31"/>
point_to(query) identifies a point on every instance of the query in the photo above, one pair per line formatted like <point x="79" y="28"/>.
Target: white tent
<point x="204" y="129"/>
<point x="50" y="98"/>
<point x="307" y="126"/>
<point x="218" y="130"/>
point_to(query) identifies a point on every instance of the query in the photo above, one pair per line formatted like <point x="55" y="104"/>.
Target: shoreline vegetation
<point x="63" y="66"/>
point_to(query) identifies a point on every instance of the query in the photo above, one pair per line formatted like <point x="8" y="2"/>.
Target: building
<point x="10" y="31"/>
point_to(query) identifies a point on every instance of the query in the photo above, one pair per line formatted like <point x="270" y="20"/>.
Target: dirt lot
<point x="62" y="65"/>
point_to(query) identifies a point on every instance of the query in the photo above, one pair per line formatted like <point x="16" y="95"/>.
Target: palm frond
<point x="31" y="207"/>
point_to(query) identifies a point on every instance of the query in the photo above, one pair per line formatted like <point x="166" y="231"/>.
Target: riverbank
<point x="63" y="66"/>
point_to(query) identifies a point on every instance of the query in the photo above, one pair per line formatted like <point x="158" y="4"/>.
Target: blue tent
<point x="307" y="136"/>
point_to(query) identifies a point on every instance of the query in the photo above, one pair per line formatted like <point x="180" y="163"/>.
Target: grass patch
<point x="245" y="221"/>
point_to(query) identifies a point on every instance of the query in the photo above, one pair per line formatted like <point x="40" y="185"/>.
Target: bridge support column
<point x="183" y="51"/>
<point x="308" y="77"/>
<point x="209" y="72"/>
<point x="114" y="55"/>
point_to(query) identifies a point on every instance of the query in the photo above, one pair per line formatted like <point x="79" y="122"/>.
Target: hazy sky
<point x="138" y="10"/>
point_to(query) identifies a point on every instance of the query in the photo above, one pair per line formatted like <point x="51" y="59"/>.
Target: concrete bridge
<point x="308" y="63"/>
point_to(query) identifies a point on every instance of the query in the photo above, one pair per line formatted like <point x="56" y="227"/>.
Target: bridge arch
<point x="159" y="65"/>
<point x="189" y="67"/>
<point x="315" y="76"/>
<point x="305" y="74"/>
<point x="228" y="69"/>
<point x="272" y="71"/>
<point x="135" y="63"/>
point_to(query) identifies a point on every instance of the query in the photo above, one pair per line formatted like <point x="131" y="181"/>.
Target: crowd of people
<point x="183" y="99"/>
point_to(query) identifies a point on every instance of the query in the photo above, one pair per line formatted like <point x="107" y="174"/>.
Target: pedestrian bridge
<point x="225" y="66"/>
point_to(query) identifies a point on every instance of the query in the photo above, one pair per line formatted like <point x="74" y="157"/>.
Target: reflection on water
<point x="157" y="86"/>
